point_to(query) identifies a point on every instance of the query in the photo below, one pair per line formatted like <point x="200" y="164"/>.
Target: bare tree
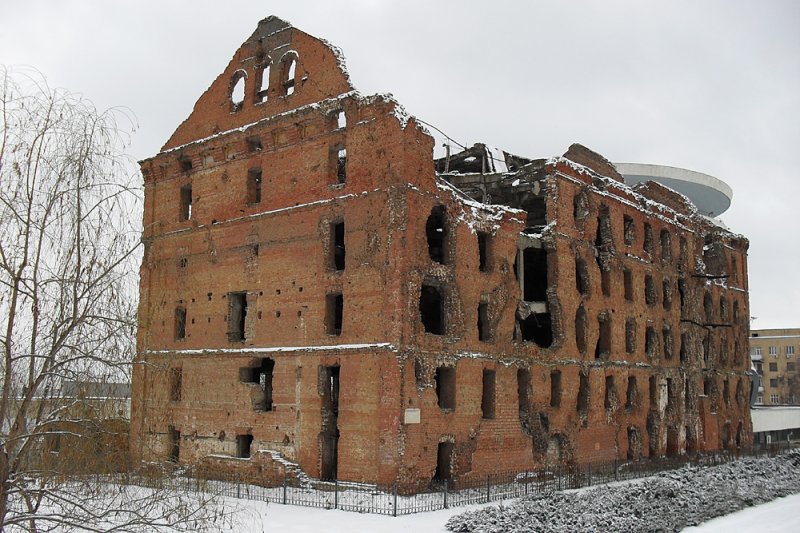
<point x="69" y="234"/>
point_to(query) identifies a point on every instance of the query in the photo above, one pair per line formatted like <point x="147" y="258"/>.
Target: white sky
<point x="712" y="86"/>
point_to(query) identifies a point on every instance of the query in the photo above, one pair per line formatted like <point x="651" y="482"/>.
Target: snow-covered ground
<point x="665" y="502"/>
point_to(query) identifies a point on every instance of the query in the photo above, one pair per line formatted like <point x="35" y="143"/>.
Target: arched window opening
<point x="263" y="87"/>
<point x="288" y="80"/>
<point x="237" y="89"/>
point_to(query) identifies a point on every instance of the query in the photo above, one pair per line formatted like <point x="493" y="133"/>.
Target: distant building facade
<point x="775" y="353"/>
<point x="318" y="292"/>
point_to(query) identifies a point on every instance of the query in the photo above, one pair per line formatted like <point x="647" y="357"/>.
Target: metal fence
<point x="366" y="498"/>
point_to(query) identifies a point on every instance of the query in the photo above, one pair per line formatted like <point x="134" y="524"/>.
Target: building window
<point x="337" y="247"/>
<point x="627" y="279"/>
<point x="263" y="91"/>
<point x="236" y="89"/>
<point x="773" y="351"/>
<point x="649" y="290"/>
<point x="666" y="338"/>
<point x="237" y="316"/>
<point x="555" y="388"/>
<point x="790" y="367"/>
<point x="773" y="382"/>
<point x="431" y="309"/>
<point x="630" y="335"/>
<point x="611" y="393"/>
<point x="629" y="230"/>
<point x="773" y="367"/>
<point x="484" y="329"/>
<point x="666" y="289"/>
<point x="174" y="444"/>
<point x="483" y="251"/>
<point x="446" y="387"/>
<point x="260" y="375"/>
<point x="436" y="233"/>
<point x="756" y="350"/>
<point x="582" y="404"/>
<point x="180" y="323"/>
<point x="289" y="71"/>
<point x="488" y="395"/>
<point x="533" y="274"/>
<point x="254" y="144"/>
<point x="650" y="341"/>
<point x="243" y="445"/>
<point x="774" y="399"/>
<point x="666" y="246"/>
<point x="254" y="186"/>
<point x="632" y="392"/>
<point x="603" y="347"/>
<point x="186" y="203"/>
<point x="334" y="312"/>
<point x="647" y="245"/>
<point x="523" y="391"/>
<point x="175" y="384"/>
<point x="341" y="164"/>
<point x="581" y="277"/>
<point x="789" y="351"/>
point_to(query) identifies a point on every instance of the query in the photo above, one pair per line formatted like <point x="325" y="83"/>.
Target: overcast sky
<point x="712" y="86"/>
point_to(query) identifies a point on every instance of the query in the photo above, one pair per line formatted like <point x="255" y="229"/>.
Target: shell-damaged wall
<point x="316" y="301"/>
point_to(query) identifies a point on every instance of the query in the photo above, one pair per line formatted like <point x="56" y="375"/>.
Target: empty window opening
<point x="580" y="207"/>
<point x="538" y="328"/>
<point x="483" y="251"/>
<point x="263" y="90"/>
<point x="444" y="462"/>
<point x="581" y="277"/>
<point x="666" y="337"/>
<point x="682" y="292"/>
<point x="524" y="392"/>
<point x="673" y="442"/>
<point x="243" y="445"/>
<point x="723" y="308"/>
<point x="334" y="310"/>
<point x="603" y="347"/>
<point x="534" y="275"/>
<point x="174" y="444"/>
<point x="684" y="351"/>
<point x="341" y="165"/>
<point x="629" y="230"/>
<point x="653" y="389"/>
<point x="736" y="311"/>
<point x="649" y="290"/>
<point x="634" y="444"/>
<point x="180" y="323"/>
<point x="186" y="202"/>
<point x="436" y="232"/>
<point x="237" y="89"/>
<point x="603" y="239"/>
<point x="632" y="393"/>
<point x="611" y="393"/>
<point x="670" y="393"/>
<point x="328" y="388"/>
<point x="338" y="250"/>
<point x="484" y="329"/>
<point x="605" y="281"/>
<point x="666" y="296"/>
<point x="683" y="253"/>
<point x="488" y="395"/>
<point x="650" y="342"/>
<point x="666" y="246"/>
<point x="290" y="68"/>
<point x="237" y="316"/>
<point x="446" y="387"/>
<point x="185" y="162"/>
<point x="630" y="335"/>
<point x="739" y="393"/>
<point x="341" y="119"/>
<point x="254" y="144"/>
<point x="627" y="279"/>
<point x="581" y="329"/>
<point x="706" y="348"/>
<point x="687" y="392"/>
<point x="582" y="404"/>
<point x="254" y="186"/>
<point x="175" y="384"/>
<point x="260" y="375"/>
<point x="555" y="388"/>
<point x="431" y="309"/>
<point x="726" y="391"/>
<point x="708" y="307"/>
<point x="647" y="245"/>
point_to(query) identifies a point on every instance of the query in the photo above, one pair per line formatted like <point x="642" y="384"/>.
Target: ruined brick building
<point x="319" y="294"/>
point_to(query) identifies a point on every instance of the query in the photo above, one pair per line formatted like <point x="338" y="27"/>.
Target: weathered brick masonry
<point x="319" y="295"/>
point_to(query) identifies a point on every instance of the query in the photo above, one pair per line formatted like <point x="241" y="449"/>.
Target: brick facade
<point x="316" y="288"/>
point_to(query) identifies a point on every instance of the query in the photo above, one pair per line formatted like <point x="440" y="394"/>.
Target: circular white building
<point x="711" y="195"/>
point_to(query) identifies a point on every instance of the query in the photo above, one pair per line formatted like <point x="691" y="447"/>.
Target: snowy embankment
<point x="669" y="501"/>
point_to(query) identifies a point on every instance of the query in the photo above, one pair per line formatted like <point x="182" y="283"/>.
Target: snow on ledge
<point x="275" y="349"/>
